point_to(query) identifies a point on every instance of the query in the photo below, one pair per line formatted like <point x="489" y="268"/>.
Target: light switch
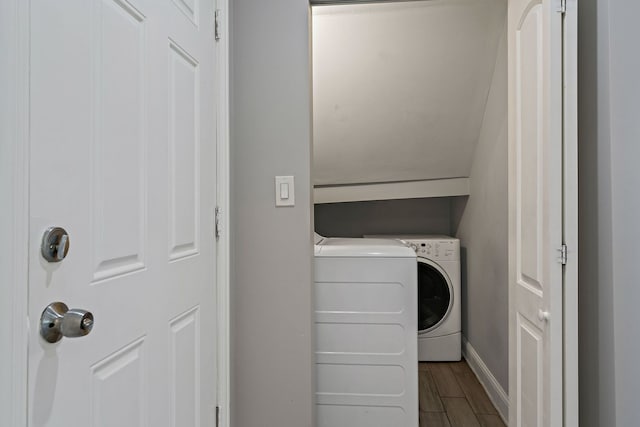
<point x="285" y="191"/>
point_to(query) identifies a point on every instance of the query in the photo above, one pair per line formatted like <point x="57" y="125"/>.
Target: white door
<point x="123" y="158"/>
<point x="536" y="212"/>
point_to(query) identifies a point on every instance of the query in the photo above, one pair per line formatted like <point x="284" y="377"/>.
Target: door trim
<point x="14" y="222"/>
<point x="570" y="213"/>
<point x="222" y="199"/>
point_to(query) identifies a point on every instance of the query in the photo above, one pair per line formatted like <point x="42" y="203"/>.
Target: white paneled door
<point x="123" y="147"/>
<point x="537" y="203"/>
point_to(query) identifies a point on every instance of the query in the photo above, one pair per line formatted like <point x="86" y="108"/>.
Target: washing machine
<point x="365" y="327"/>
<point x="439" y="298"/>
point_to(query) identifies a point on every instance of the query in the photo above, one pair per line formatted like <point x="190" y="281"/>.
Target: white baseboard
<point x="494" y="390"/>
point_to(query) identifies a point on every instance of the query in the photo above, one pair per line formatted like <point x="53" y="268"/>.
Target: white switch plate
<point x="282" y="181"/>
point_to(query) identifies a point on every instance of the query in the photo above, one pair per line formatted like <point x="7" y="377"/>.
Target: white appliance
<point x="365" y="325"/>
<point x="439" y="305"/>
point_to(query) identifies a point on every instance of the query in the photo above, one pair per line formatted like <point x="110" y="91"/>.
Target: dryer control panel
<point x="437" y="250"/>
<point x="435" y="247"/>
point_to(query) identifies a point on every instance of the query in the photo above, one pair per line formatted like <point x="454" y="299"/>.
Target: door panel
<point x="118" y="388"/>
<point x="184" y="152"/>
<point x="123" y="157"/>
<point x="185" y="368"/>
<point x="529" y="372"/>
<point x="535" y="228"/>
<point x="529" y="145"/>
<point x="118" y="139"/>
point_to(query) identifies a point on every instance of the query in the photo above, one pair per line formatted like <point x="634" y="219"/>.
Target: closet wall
<point x="482" y="230"/>
<point x="272" y="369"/>
<point x="609" y="207"/>
<point x="408" y="216"/>
<point x="399" y="88"/>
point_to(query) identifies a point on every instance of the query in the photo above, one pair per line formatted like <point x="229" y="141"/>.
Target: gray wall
<point x="8" y="146"/>
<point x="483" y="234"/>
<point x="271" y="305"/>
<point x="407" y="216"/>
<point x="384" y="110"/>
<point x="625" y="157"/>
<point x="609" y="132"/>
<point x="596" y="328"/>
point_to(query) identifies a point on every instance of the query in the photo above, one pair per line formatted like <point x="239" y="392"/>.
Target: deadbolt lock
<point x="55" y="244"/>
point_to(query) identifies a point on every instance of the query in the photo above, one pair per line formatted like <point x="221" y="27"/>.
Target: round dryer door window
<point x="434" y="296"/>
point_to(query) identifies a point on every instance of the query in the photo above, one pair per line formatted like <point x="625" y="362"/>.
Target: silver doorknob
<point x="58" y="321"/>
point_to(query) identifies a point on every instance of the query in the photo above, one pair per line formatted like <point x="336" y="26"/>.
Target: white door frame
<point x="14" y="221"/>
<point x="223" y="202"/>
<point x="570" y="212"/>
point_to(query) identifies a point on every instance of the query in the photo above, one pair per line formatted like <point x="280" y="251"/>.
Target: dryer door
<point x="435" y="295"/>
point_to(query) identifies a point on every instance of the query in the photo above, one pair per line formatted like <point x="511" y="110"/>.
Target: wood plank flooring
<point x="451" y="396"/>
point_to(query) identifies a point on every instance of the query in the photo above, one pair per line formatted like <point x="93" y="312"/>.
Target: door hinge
<point x="217" y="416"/>
<point x="218" y="228"/>
<point x="217" y="24"/>
<point x="563" y="255"/>
<point x="563" y="7"/>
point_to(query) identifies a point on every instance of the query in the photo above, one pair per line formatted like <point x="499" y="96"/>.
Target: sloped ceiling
<point x="399" y="89"/>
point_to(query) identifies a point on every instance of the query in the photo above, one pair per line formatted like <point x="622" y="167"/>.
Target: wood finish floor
<point x="451" y="396"/>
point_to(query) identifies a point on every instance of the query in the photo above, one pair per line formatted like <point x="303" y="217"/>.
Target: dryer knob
<point x="414" y="247"/>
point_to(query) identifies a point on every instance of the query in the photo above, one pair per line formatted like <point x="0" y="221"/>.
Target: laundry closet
<point x="410" y="138"/>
